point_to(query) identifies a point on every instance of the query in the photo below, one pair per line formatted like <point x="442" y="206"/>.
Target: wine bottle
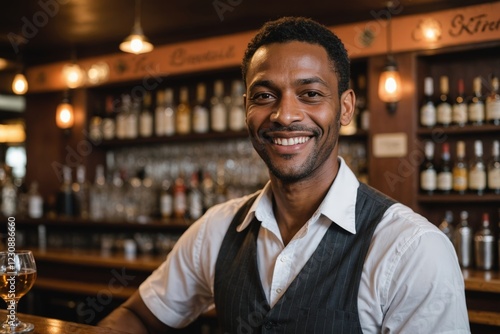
<point x="183" y="115"/>
<point x="218" y="112"/>
<point x="237" y="113"/>
<point x="460" y="170"/>
<point x="428" y="175"/>
<point x="446" y="225"/>
<point x="493" y="103"/>
<point x="200" y="111"/>
<point x="445" y="175"/>
<point x="476" y="104"/>
<point x="459" y="109"/>
<point x="477" y="170"/>
<point x="494" y="168"/>
<point x="428" y="109"/>
<point x="146" y="117"/>
<point x="443" y="109"/>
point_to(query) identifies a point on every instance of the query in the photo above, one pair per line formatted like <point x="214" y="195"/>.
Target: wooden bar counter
<point x="54" y="326"/>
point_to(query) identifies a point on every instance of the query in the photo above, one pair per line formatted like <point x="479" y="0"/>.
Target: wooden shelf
<point x="82" y="288"/>
<point x="459" y="130"/>
<point x="175" y="139"/>
<point x="484" y="318"/>
<point x="456" y="198"/>
<point x="146" y="263"/>
<point x="482" y="281"/>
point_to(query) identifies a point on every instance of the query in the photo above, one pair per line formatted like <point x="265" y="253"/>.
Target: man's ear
<point x="347" y="103"/>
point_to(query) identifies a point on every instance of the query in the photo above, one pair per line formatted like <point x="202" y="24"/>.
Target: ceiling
<point x="42" y="31"/>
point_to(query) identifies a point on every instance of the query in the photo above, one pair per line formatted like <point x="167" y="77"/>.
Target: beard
<point x="293" y="173"/>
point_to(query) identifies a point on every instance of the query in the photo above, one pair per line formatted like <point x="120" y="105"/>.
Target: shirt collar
<point x="339" y="204"/>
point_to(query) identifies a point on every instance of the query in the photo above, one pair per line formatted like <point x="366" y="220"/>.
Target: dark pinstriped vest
<point x="323" y="298"/>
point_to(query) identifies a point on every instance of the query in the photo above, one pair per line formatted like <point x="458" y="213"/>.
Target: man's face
<point x="293" y="109"/>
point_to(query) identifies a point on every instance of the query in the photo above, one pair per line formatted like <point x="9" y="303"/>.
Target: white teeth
<point x="290" y="141"/>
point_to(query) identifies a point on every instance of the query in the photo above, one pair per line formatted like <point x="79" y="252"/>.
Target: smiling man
<point x="314" y="251"/>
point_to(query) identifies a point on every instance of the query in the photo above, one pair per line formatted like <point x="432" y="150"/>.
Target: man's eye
<point x="261" y="96"/>
<point x="312" y="94"/>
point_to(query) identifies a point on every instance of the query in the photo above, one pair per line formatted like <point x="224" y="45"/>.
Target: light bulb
<point x="20" y="84"/>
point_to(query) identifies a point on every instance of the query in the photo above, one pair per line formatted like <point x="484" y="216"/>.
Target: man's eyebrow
<point x="261" y="83"/>
<point x="307" y="81"/>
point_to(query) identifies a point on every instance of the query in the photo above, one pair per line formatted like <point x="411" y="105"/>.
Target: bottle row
<point x="480" y="248"/>
<point x="474" y="109"/>
<point x="134" y="114"/>
<point x="460" y="175"/>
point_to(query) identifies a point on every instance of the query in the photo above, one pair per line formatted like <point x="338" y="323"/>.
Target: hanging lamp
<point x="136" y="42"/>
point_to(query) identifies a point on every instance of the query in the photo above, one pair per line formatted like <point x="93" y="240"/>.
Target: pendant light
<point x="64" y="114"/>
<point x="136" y="42"/>
<point x="389" y="87"/>
<point x="20" y="84"/>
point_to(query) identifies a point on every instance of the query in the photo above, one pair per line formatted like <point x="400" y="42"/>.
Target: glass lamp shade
<point x="65" y="115"/>
<point x="389" y="86"/>
<point x="136" y="43"/>
<point x="73" y="75"/>
<point x="20" y="84"/>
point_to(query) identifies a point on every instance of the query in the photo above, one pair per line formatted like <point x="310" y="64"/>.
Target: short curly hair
<point x="288" y="29"/>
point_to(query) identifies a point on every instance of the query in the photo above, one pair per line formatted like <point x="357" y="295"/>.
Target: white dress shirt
<point x="411" y="280"/>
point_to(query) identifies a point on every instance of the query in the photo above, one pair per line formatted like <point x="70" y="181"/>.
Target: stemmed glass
<point x="17" y="276"/>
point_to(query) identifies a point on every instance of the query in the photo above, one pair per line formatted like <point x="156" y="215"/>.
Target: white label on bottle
<point x="180" y="202"/>
<point x="146" y="124"/>
<point x="428" y="179"/>
<point x="169" y="126"/>
<point x="131" y="128"/>
<point x="494" y="178"/>
<point x="166" y="205"/>
<point x="459" y="113"/>
<point x="493" y="110"/>
<point x="35" y="207"/>
<point x="200" y="119"/>
<point x="445" y="181"/>
<point x="477" y="179"/>
<point x="195" y="205"/>
<point x="444" y="113"/>
<point x="476" y="112"/>
<point x="121" y="126"/>
<point x="237" y="118"/>
<point x="428" y="115"/>
<point x="219" y="118"/>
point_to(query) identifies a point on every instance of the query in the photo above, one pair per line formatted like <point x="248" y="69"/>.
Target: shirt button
<point x="283" y="259"/>
<point x="278" y="290"/>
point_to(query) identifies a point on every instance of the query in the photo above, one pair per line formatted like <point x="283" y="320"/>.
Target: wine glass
<point x="17" y="276"/>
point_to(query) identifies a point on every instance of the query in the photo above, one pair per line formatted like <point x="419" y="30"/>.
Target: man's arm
<point x="134" y="317"/>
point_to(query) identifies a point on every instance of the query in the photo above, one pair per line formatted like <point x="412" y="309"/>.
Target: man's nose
<point x="287" y="110"/>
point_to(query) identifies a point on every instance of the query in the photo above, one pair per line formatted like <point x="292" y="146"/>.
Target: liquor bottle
<point x="459" y="109"/>
<point x="160" y="114"/>
<point x="132" y="123"/>
<point x="98" y="195"/>
<point x="109" y="122"/>
<point x="166" y="200"/>
<point x="460" y="170"/>
<point x="122" y="116"/>
<point x="95" y="124"/>
<point x="8" y="194"/>
<point x="476" y="104"/>
<point x="443" y="109"/>
<point x="66" y="197"/>
<point x="201" y="122"/>
<point x="195" y="197"/>
<point x="362" y="104"/>
<point x="170" y="121"/>
<point x="146" y="117"/>
<point x="445" y="175"/>
<point x="428" y="109"/>
<point x="179" y="197"/>
<point x="494" y="168"/>
<point x="237" y="113"/>
<point x="477" y="170"/>
<point x="183" y="115"/>
<point x="218" y="112"/>
<point x="428" y="174"/>
<point x="493" y="103"/>
<point x="446" y="225"/>
<point x="208" y="190"/>
<point x="35" y="202"/>
<point x="81" y="188"/>
<point x="463" y="241"/>
<point x="484" y="243"/>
